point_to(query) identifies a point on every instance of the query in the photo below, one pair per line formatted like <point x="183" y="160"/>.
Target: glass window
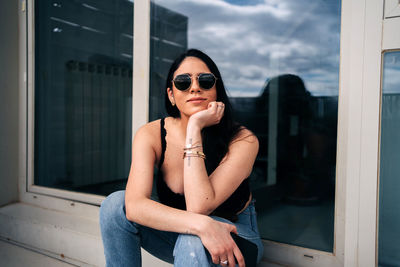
<point x="83" y="94"/>
<point x="389" y="182"/>
<point x="280" y="64"/>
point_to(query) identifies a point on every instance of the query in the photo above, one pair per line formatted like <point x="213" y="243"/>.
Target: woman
<point x="204" y="161"/>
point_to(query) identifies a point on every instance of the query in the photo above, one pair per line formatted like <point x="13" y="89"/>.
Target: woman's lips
<point x="196" y="100"/>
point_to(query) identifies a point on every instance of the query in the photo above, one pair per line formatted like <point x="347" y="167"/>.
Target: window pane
<point x="280" y="63"/>
<point x="83" y="99"/>
<point x="389" y="182"/>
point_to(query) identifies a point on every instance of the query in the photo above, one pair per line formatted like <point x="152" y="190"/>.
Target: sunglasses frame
<point x="191" y="81"/>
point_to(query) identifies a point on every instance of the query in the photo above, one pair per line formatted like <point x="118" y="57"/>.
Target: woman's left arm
<point x="205" y="193"/>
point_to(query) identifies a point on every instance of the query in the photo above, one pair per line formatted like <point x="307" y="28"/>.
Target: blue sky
<point x="254" y="40"/>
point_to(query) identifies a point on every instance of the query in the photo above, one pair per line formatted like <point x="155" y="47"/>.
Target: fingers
<point x="239" y="257"/>
<point x="216" y="106"/>
<point x="231" y="260"/>
<point x="216" y="110"/>
<point x="223" y="262"/>
<point x="220" y="109"/>
<point x="215" y="259"/>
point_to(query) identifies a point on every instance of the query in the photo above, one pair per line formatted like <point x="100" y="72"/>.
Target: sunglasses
<point x="183" y="82"/>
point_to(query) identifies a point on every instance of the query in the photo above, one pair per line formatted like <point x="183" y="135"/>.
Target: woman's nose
<point x="195" y="85"/>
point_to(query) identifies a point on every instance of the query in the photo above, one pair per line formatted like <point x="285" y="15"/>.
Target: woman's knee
<point x="189" y="246"/>
<point x="112" y="208"/>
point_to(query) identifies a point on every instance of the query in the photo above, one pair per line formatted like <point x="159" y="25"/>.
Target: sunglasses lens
<point x="206" y="80"/>
<point x="182" y="82"/>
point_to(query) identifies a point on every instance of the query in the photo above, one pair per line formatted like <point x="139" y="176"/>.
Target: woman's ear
<point x="171" y="96"/>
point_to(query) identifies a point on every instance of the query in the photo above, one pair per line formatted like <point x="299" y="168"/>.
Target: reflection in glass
<point x="389" y="182"/>
<point x="280" y="63"/>
<point x="83" y="99"/>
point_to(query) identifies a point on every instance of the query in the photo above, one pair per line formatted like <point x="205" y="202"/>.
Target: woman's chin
<point x="192" y="111"/>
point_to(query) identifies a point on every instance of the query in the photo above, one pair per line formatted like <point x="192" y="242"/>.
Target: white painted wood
<point x="75" y="196"/>
<point x="13" y="256"/>
<point x="392" y="8"/>
<point x="351" y="37"/>
<point x="71" y="238"/>
<point x="28" y="90"/>
<point x="289" y="255"/>
<point x="59" y="204"/>
<point x="369" y="153"/>
<point x="362" y="73"/>
<point x="141" y="65"/>
<point x="391" y="34"/>
<point x="22" y="78"/>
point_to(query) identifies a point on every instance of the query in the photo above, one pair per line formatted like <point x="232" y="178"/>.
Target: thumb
<point x="233" y="229"/>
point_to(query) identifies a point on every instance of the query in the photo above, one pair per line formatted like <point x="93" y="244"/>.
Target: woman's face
<point x="195" y="98"/>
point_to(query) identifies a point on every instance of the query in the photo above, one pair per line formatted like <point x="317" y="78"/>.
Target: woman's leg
<point x="122" y="239"/>
<point x="247" y="228"/>
<point x="189" y="250"/>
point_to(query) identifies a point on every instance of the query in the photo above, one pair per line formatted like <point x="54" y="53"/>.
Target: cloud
<point x="251" y="43"/>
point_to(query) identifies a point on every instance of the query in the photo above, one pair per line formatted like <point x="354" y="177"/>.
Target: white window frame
<point x="357" y="146"/>
<point x="390" y="43"/>
<point x="31" y="192"/>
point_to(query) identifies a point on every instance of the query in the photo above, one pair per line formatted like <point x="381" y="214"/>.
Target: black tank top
<point x="228" y="209"/>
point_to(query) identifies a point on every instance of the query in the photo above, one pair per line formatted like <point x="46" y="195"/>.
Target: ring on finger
<point x="225" y="262"/>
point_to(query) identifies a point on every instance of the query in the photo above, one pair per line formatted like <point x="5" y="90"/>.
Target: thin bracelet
<point x="191" y="153"/>
<point x="189" y="147"/>
<point x="194" y="156"/>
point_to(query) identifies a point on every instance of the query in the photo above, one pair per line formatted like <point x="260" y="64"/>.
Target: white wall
<point x="9" y="101"/>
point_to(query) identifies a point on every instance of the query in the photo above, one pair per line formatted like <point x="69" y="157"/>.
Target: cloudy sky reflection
<point x="255" y="40"/>
<point x="391" y="73"/>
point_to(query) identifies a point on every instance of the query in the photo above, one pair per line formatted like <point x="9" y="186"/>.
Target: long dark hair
<point x="216" y="138"/>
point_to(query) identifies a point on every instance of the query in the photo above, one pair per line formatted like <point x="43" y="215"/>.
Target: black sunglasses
<point x="183" y="82"/>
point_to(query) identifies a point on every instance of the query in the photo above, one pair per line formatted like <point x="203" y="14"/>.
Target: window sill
<point x="64" y="236"/>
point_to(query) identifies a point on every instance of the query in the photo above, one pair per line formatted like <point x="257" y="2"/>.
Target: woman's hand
<point x="216" y="238"/>
<point x="208" y="117"/>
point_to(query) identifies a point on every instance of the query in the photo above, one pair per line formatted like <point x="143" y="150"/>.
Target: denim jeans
<point x="122" y="239"/>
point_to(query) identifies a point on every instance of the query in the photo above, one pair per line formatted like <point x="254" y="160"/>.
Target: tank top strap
<point x="163" y="142"/>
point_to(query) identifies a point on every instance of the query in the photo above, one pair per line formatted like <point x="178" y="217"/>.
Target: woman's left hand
<point x="217" y="239"/>
<point x="210" y="116"/>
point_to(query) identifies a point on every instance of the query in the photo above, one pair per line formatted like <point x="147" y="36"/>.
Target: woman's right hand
<point x="216" y="238"/>
<point x="208" y="117"/>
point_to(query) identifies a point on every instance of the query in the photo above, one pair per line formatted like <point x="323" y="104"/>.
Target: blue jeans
<point x="122" y="239"/>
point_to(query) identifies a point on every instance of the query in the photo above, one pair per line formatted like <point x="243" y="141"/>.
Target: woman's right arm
<point x="141" y="209"/>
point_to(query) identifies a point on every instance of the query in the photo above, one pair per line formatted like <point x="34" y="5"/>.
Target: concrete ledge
<point x="64" y="236"/>
<point x="67" y="237"/>
<point x="12" y="255"/>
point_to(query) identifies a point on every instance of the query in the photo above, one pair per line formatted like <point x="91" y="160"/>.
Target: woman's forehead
<point x="192" y="65"/>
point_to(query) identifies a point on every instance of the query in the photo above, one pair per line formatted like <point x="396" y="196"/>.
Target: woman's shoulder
<point x="149" y="130"/>
<point x="153" y="128"/>
<point x="245" y="135"/>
